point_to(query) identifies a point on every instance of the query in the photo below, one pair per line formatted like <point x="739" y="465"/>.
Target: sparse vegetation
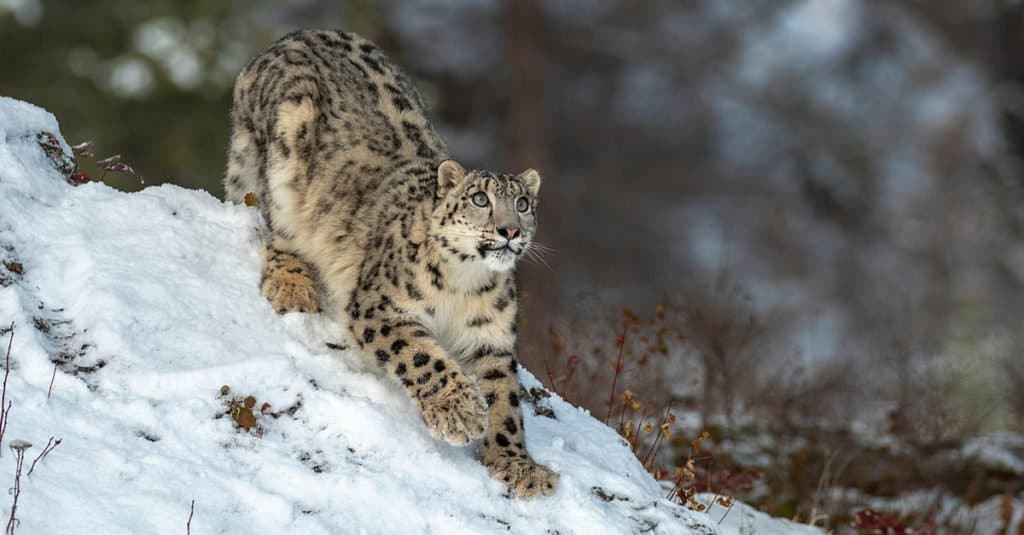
<point x="51" y="445"/>
<point x="242" y="411"/>
<point x="18" y="447"/>
<point x="871" y="522"/>
<point x="813" y="444"/>
<point x="110" y="164"/>
<point x="650" y="429"/>
<point x="5" y="406"/>
<point x="246" y="416"/>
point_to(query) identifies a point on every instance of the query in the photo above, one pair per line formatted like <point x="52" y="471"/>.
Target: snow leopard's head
<point x="483" y="216"/>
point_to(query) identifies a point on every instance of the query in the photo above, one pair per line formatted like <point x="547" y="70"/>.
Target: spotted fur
<point x="367" y="215"/>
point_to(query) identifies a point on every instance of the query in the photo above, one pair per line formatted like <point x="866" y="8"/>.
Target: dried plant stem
<point x="727" y="511"/>
<point x="640" y="424"/>
<point x="18" y="447"/>
<point x="49" y="391"/>
<point x="615" y="378"/>
<point x="50" y="446"/>
<point x="551" y="378"/>
<point x="5" y="406"/>
<point x="191" y="511"/>
<point x="656" y="445"/>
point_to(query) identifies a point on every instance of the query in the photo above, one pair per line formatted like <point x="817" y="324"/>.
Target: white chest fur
<point x="464" y="323"/>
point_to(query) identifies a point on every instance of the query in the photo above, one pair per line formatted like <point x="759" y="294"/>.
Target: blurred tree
<point x="147" y="80"/>
<point x="719" y="322"/>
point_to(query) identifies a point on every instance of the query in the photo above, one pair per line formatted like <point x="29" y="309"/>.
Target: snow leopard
<point x="369" y="218"/>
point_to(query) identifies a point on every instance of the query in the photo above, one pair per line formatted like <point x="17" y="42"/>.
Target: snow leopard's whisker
<point x="534" y="256"/>
<point x="541" y="248"/>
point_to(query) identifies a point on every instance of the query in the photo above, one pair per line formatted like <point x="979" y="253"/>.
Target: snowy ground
<point x="742" y="519"/>
<point x="146" y="304"/>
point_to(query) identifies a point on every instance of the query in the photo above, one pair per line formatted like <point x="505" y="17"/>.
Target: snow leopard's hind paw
<point x="523" y="476"/>
<point x="288" y="283"/>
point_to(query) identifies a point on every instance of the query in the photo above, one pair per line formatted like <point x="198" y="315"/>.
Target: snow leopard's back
<point x="326" y="132"/>
<point x="365" y="109"/>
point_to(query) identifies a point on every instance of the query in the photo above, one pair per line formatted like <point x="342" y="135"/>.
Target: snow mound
<point x="140" y="306"/>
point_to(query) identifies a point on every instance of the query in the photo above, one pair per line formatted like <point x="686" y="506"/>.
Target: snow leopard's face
<point x="485" y="217"/>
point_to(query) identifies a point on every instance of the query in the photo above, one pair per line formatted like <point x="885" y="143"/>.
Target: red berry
<point x="79" y="178"/>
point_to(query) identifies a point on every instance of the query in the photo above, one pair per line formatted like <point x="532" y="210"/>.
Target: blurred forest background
<point x="787" y="215"/>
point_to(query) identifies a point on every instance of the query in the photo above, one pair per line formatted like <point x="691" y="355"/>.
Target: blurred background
<point x="798" y="222"/>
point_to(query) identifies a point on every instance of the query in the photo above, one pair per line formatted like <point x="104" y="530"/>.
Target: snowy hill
<point x="140" y="307"/>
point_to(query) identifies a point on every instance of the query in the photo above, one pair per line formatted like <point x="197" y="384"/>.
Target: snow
<point x="997" y="451"/>
<point x="148" y="302"/>
<point x="742" y="519"/>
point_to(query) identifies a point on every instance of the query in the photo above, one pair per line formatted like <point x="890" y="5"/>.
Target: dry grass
<point x="623" y="370"/>
<point x="643" y="371"/>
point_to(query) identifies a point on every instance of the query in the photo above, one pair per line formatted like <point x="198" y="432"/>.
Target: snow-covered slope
<point x="147" y="303"/>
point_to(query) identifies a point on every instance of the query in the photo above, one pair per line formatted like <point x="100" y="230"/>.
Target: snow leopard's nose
<point x="508" y="233"/>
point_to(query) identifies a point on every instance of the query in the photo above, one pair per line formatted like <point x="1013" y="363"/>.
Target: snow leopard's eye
<point x="522" y="204"/>
<point x="480" y="199"/>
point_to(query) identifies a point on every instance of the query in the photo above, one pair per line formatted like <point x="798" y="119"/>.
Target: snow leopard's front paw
<point x="455" y="412"/>
<point x="523" y="476"/>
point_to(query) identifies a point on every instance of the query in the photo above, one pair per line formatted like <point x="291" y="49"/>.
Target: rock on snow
<point x="147" y="303"/>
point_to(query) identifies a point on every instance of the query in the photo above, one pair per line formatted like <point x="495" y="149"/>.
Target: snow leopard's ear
<point x="532" y="180"/>
<point x="450" y="174"/>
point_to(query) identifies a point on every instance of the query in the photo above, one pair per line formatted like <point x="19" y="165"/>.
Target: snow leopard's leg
<point x="288" y="280"/>
<point x="449" y="401"/>
<point x="505" y="452"/>
<point x="243" y="172"/>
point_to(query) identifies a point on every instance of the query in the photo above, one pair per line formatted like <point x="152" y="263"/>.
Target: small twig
<point x="18" y="447"/>
<point x="615" y="378"/>
<point x="732" y="502"/>
<point x="551" y="378"/>
<point x="822" y="481"/>
<point x="191" y="511"/>
<point x="50" y="446"/>
<point x="49" y="391"/>
<point x="622" y="414"/>
<point x="640" y="423"/>
<point x="5" y="406"/>
<point x="84" y="148"/>
<point x="709" y="487"/>
<point x="656" y="445"/>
